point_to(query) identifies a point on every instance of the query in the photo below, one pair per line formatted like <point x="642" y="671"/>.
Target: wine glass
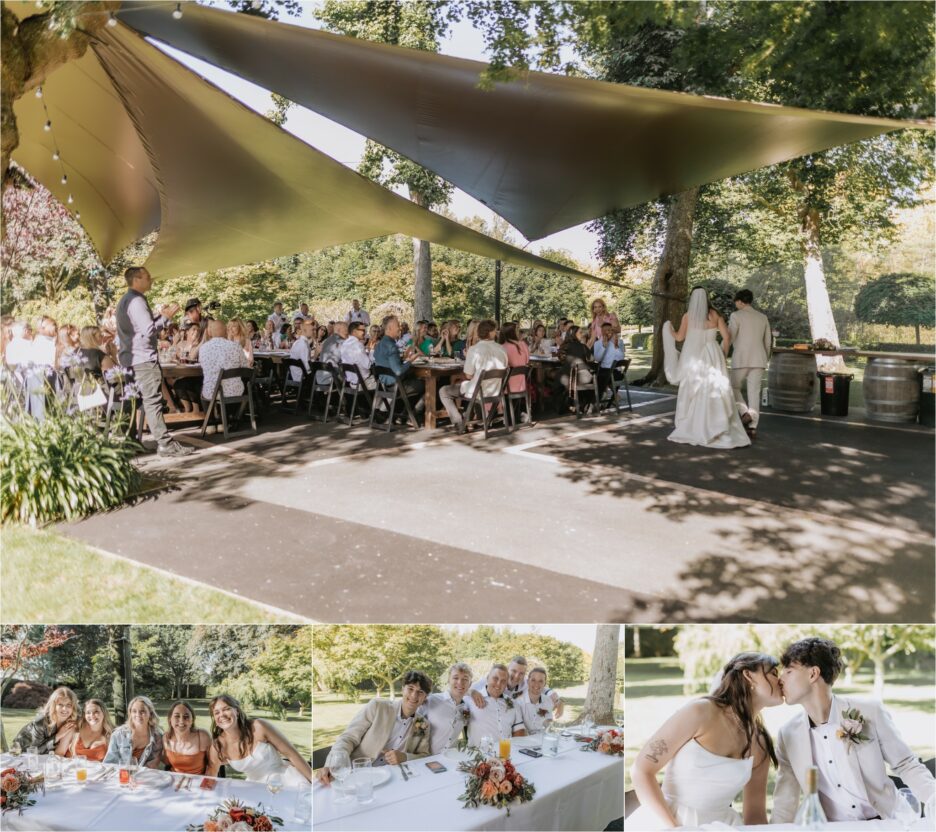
<point x="341" y="771"/>
<point x="274" y="782"/>
<point x="907" y="809"/>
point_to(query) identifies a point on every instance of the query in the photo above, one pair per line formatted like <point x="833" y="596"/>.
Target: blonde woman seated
<point x="252" y="746"/>
<point x="94" y="358"/>
<point x="185" y="747"/>
<point x="238" y="332"/>
<point x="139" y="739"/>
<point x="94" y="732"/>
<point x="713" y="748"/>
<point x="53" y="728"/>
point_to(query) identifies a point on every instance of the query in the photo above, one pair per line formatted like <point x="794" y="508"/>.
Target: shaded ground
<point x="592" y="520"/>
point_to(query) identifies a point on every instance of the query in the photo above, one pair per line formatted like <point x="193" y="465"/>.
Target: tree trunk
<point x="636" y="632"/>
<point x="100" y="291"/>
<point x="599" y="701"/>
<point x="878" y="690"/>
<point x="821" y="320"/>
<point x="917" y="328"/>
<point x="672" y="277"/>
<point x="122" y="688"/>
<point x="422" y="265"/>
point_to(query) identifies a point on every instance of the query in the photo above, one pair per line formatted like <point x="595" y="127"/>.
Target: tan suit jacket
<point x="750" y="338"/>
<point x="369" y="732"/>
<point x="869" y="760"/>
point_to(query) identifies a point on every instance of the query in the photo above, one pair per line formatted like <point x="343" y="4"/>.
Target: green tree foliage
<point x="877" y="643"/>
<point x="899" y="300"/>
<point x="223" y="651"/>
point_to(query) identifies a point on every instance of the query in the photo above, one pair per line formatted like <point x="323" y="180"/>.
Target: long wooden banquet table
<point x="575" y="790"/>
<point x="151" y="805"/>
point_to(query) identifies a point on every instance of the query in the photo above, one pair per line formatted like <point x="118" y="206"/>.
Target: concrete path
<point x="596" y="520"/>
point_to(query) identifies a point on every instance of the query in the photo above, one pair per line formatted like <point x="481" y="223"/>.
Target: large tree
<point x="602" y="682"/>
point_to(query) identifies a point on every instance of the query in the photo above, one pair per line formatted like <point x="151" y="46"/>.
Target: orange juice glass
<point x="124" y="776"/>
<point x="504" y="752"/>
<point x="81" y="768"/>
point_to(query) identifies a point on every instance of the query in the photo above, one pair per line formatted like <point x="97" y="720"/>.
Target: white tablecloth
<point x="108" y="806"/>
<point x="849" y="826"/>
<point x="575" y="791"/>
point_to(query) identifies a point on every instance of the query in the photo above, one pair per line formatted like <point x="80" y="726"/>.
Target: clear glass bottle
<point x="810" y="814"/>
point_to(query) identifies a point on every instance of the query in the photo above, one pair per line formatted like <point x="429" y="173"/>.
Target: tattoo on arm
<point x="657" y="749"/>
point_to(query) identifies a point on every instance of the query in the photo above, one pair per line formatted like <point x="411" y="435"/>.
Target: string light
<point x="112" y="21"/>
<point x="177" y="14"/>
<point x="64" y="179"/>
<point x="78" y="215"/>
<point x="70" y="199"/>
<point x="38" y="92"/>
<point x="47" y="126"/>
<point x="55" y="156"/>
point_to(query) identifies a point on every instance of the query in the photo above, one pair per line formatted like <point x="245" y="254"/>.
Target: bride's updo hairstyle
<point x="244" y="727"/>
<point x="733" y="692"/>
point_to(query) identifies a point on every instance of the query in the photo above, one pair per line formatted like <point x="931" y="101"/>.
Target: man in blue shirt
<point x="608" y="349"/>
<point x="387" y="354"/>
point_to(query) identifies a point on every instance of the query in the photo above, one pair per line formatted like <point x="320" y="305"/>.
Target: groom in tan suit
<point x="751" y="340"/>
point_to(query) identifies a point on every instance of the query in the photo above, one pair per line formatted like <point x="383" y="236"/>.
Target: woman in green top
<point x="421" y="338"/>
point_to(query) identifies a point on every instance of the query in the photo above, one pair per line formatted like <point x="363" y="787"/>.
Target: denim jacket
<point x="121" y="745"/>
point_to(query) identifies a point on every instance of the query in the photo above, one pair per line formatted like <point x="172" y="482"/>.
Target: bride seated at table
<point x="92" y="738"/>
<point x="53" y="728"/>
<point x="251" y="746"/>
<point x="185" y="747"/>
<point x="139" y="739"/>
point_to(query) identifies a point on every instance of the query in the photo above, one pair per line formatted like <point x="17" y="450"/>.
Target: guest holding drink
<point x="600" y="315"/>
<point x="54" y="726"/>
<point x="94" y="732"/>
<point x="448" y="343"/>
<point x="139" y="740"/>
<point x="185" y="747"/>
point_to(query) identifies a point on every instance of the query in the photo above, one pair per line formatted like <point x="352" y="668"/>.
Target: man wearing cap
<point x="193" y="315"/>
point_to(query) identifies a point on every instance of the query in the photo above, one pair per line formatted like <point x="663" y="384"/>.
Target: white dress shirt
<point x="18" y="351"/>
<point x="353" y="352"/>
<point x="401" y="727"/>
<point x="485" y="355"/>
<point x="303" y="352"/>
<point x="359" y="315"/>
<point x="606" y="356"/>
<point x="843" y="796"/>
<point x="446" y="719"/>
<point x="496" y="720"/>
<point x="536" y="715"/>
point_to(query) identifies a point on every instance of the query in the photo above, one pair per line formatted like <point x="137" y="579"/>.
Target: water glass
<point x="361" y="763"/>
<point x="550" y="746"/>
<point x="53" y="768"/>
<point x="341" y="771"/>
<point x="303" y="810"/>
<point x="907" y="808"/>
<point x="364" y="790"/>
<point x="32" y="759"/>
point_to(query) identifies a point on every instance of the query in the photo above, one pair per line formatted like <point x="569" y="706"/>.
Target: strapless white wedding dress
<point x="699" y="787"/>
<point x="265" y="760"/>
<point x="706" y="413"/>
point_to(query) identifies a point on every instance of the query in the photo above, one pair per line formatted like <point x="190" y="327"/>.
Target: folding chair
<point x="116" y="405"/>
<point x="578" y="386"/>
<point x="220" y="400"/>
<point x="353" y="389"/>
<point x="524" y="396"/>
<point x="390" y="393"/>
<point x="478" y="399"/>
<point x="265" y="380"/>
<point x="289" y="383"/>
<point x="620" y="367"/>
<point x="333" y="385"/>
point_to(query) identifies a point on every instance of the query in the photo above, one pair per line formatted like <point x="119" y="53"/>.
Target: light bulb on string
<point x="47" y="127"/>
<point x="55" y="156"/>
<point x="64" y="179"/>
<point x="78" y="215"/>
<point x="177" y="12"/>
<point x="112" y="21"/>
<point x="38" y="92"/>
<point x="71" y="199"/>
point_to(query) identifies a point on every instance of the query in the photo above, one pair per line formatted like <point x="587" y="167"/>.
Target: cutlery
<point x="188" y="783"/>
<point x="410" y="773"/>
<point x="178" y="784"/>
<point x="403" y="772"/>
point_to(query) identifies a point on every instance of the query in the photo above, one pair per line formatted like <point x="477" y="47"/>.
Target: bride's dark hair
<point x="734" y="693"/>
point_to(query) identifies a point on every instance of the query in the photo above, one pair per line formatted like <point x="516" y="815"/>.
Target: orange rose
<point x="6" y="771"/>
<point x="603" y="747"/>
<point x="211" y="826"/>
<point x="488" y="789"/>
<point x="237" y="813"/>
<point x="506" y="787"/>
<point x="10" y="783"/>
<point x="262" y="824"/>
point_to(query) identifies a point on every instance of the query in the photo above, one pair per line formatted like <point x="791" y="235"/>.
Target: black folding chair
<point x="390" y="394"/>
<point x="334" y="385"/>
<point x="353" y="389"/>
<point x="221" y="401"/>
<point x="265" y="381"/>
<point x="526" y="373"/>
<point x="618" y="380"/>
<point x="289" y="383"/>
<point x="487" y="403"/>
<point x="583" y="378"/>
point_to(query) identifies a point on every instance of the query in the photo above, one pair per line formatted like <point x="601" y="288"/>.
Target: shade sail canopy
<point x="545" y="152"/>
<point x="146" y="144"/>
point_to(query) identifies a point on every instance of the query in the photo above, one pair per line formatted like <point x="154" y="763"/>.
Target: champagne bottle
<point x="810" y="814"/>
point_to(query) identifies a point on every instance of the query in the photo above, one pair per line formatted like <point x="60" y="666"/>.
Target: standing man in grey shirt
<point x="137" y="330"/>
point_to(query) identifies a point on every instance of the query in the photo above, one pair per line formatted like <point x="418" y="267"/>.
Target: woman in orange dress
<point x="93" y="735"/>
<point x="185" y="747"/>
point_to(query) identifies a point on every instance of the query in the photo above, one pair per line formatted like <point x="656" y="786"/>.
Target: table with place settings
<point x="152" y="804"/>
<point x="841" y="826"/>
<point x="580" y="790"/>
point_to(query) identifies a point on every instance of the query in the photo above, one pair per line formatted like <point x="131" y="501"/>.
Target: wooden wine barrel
<point x="791" y="382"/>
<point x="891" y="390"/>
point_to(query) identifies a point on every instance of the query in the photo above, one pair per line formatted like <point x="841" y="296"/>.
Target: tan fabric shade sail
<point x="546" y="152"/>
<point x="147" y="143"/>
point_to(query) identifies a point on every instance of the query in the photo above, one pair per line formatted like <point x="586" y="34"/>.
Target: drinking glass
<point x="53" y="768"/>
<point x="32" y="759"/>
<point x="550" y="746"/>
<point x="303" y="810"/>
<point x="274" y="782"/>
<point x="341" y="771"/>
<point x="364" y="790"/>
<point x="907" y="808"/>
<point x="81" y="768"/>
<point x="361" y="763"/>
<point x="486" y="746"/>
<point x="587" y="726"/>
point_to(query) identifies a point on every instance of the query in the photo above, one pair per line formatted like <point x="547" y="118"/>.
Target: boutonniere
<point x="516" y="694"/>
<point x="420" y="726"/>
<point x="542" y="711"/>
<point x="851" y="729"/>
<point x="464" y="712"/>
<point x="509" y="703"/>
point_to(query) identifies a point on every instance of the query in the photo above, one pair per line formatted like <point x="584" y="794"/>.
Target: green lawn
<point x="298" y="730"/>
<point x="653" y="690"/>
<point x="45" y="577"/>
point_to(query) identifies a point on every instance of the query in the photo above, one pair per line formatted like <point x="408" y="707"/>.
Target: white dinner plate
<point x="153" y="779"/>
<point x="378" y="776"/>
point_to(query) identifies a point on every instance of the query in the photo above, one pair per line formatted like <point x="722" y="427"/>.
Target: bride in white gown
<point x="706" y="413"/>
<point x="713" y="748"/>
<point x="252" y="746"/>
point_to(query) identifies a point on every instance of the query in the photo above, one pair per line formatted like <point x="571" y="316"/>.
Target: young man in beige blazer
<point x="850" y="741"/>
<point x="387" y="733"/>
<point x="751" y="341"/>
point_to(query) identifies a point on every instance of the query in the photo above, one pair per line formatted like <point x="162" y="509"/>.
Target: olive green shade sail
<point x="546" y="152"/>
<point x="146" y="143"/>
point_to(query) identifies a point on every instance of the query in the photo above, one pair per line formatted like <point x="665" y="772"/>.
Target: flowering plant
<point x="851" y="729"/>
<point x="494" y="782"/>
<point x="610" y="742"/>
<point x="16" y="787"/>
<point x="420" y="725"/>
<point x="234" y="816"/>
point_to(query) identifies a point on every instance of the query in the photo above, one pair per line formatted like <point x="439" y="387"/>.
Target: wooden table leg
<point x="430" y="402"/>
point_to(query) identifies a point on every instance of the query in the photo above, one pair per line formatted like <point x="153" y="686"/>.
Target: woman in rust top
<point x="93" y="734"/>
<point x="185" y="747"/>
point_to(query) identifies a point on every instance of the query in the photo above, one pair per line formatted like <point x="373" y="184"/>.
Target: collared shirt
<point x="353" y="352"/>
<point x="606" y="356"/>
<point x="121" y="745"/>
<point x="446" y="718"/>
<point x="137" y="329"/>
<point x="515" y="691"/>
<point x="497" y="719"/>
<point x="843" y="795"/>
<point x="330" y="354"/>
<point x="387" y="354"/>
<point x="303" y="352"/>
<point x="485" y="355"/>
<point x="217" y="355"/>
<point x="401" y="727"/>
<point x="359" y="315"/>
<point x="536" y="715"/>
<point x="18" y="351"/>
<point x="300" y="314"/>
<point x="278" y="320"/>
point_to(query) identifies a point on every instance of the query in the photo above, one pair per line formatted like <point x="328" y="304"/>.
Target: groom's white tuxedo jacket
<point x="868" y="760"/>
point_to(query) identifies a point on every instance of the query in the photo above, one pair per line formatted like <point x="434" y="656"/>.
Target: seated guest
<point x="388" y="733"/>
<point x="607" y="349"/>
<point x="238" y="332"/>
<point x="573" y="355"/>
<point x="487" y="354"/>
<point x="91" y="352"/>
<point x="518" y="354"/>
<point x="535" y="706"/>
<point x="448" y="711"/>
<point x="387" y="354"/>
<point x="185" y="747"/>
<point x="353" y="352"/>
<point x="540" y="344"/>
<point x="330" y="351"/>
<point x="194" y="316"/>
<point x="448" y="344"/>
<point x="191" y="342"/>
<point x="139" y="738"/>
<point x="321" y="334"/>
<point x="432" y="330"/>
<point x="517" y="685"/>
<point x="471" y="334"/>
<point x="405" y="338"/>
<point x="499" y="718"/>
<point x="65" y="352"/>
<point x="253" y="332"/>
<point x="54" y="727"/>
<point x="43" y="356"/>
<point x="168" y="336"/>
<point x="188" y="388"/>
<point x="216" y="355"/>
<point x="283" y="338"/>
<point x="276" y="317"/>
<point x="94" y="732"/>
<point x="421" y="339"/>
<point x="268" y="338"/>
<point x="19" y="349"/>
<point x="303" y="349"/>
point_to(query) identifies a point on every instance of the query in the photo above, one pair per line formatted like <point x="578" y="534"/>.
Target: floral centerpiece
<point x="16" y="787"/>
<point x="234" y="816"/>
<point x="494" y="782"/>
<point x="609" y="742"/>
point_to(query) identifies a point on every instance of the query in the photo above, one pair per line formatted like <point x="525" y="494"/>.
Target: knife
<point x="403" y="772"/>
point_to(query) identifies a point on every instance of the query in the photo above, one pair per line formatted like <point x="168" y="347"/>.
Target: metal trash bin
<point x="927" y="397"/>
<point x="833" y="393"/>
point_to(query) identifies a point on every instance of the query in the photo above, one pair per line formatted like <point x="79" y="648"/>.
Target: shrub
<point x="898" y="299"/>
<point x="62" y="469"/>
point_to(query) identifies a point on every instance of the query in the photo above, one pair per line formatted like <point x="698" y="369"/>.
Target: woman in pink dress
<point x="600" y="315"/>
<point x="518" y="355"/>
